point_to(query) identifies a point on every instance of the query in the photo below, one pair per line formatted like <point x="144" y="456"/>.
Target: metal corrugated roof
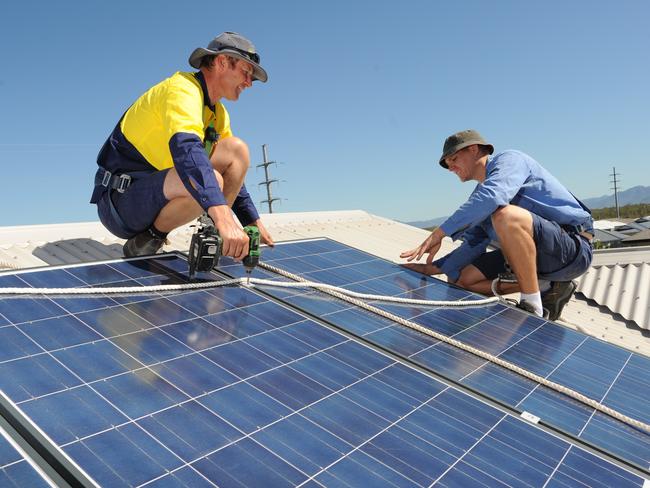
<point x="590" y="318"/>
<point x="29" y="246"/>
<point x="623" y="289"/>
<point x="626" y="255"/>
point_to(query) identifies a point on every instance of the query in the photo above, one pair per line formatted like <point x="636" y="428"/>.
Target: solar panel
<point x="614" y="376"/>
<point x="228" y="387"/>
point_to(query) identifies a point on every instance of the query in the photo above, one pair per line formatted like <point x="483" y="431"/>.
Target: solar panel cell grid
<point x="599" y="370"/>
<point x="226" y="388"/>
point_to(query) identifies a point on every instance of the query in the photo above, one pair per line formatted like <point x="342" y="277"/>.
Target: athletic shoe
<point x="556" y="297"/>
<point x="143" y="244"/>
<point x="507" y="277"/>
<point x="528" y="307"/>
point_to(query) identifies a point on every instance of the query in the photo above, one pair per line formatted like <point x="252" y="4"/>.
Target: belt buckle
<point x="587" y="235"/>
<point x="106" y="179"/>
<point x="123" y="184"/>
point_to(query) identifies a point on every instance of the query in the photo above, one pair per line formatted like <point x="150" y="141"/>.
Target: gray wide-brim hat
<point x="461" y="140"/>
<point x="234" y="45"/>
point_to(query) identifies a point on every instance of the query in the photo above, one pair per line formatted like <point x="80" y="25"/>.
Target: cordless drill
<point x="253" y="256"/>
<point x="206" y="247"/>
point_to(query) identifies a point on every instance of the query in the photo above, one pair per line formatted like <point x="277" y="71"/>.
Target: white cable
<point x="118" y="289"/>
<point x="245" y="282"/>
<point x="355" y="299"/>
<point x="8" y="265"/>
<point x="478" y="352"/>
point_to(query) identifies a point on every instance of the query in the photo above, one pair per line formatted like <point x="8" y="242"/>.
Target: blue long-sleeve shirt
<point x="512" y="177"/>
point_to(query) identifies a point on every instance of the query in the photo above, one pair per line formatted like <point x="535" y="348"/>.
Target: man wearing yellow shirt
<point x="154" y="171"/>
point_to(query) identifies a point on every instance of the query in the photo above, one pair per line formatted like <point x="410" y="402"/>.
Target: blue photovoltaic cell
<point x="225" y="387"/>
<point x="604" y="372"/>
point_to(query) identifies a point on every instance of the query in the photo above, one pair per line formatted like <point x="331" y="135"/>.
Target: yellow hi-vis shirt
<point x="166" y="128"/>
<point x="175" y="105"/>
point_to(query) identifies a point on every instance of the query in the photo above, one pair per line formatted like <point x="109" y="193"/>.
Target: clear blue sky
<point x="360" y="98"/>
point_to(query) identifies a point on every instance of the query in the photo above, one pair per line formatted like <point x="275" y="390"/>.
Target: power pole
<point x="267" y="181"/>
<point x="616" y="188"/>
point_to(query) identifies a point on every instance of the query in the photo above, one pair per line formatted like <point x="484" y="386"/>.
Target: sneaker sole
<point x="555" y="312"/>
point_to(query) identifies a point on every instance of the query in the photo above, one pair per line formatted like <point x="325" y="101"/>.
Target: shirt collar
<point x="206" y="98"/>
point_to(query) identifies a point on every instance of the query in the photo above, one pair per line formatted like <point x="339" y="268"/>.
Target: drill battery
<point x="205" y="247"/>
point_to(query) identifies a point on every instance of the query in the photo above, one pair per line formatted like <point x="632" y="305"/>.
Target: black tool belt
<point x="111" y="181"/>
<point x="105" y="181"/>
<point x="583" y="230"/>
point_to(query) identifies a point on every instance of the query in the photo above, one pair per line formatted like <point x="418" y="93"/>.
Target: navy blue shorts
<point x="561" y="255"/>
<point x="137" y="207"/>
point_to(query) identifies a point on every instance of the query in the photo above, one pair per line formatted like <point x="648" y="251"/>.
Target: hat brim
<point x="199" y="53"/>
<point x="458" y="147"/>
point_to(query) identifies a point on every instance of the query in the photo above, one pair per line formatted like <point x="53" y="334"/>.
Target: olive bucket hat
<point x="461" y="140"/>
<point x="234" y="45"/>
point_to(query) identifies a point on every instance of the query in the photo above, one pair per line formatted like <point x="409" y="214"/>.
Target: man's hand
<point x="235" y="240"/>
<point x="430" y="246"/>
<point x="265" y="235"/>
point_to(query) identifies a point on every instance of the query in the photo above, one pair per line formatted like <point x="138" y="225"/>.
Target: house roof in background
<point x="608" y="235"/>
<point x="643" y="235"/>
<point x="607" y="224"/>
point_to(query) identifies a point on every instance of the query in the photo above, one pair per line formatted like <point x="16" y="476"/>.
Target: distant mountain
<point x="425" y="224"/>
<point x="636" y="194"/>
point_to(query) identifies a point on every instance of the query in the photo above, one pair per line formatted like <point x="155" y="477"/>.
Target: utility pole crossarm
<point x="616" y="189"/>
<point x="267" y="180"/>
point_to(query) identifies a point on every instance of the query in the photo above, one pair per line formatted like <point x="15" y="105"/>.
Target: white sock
<point x="535" y="299"/>
<point x="544" y="285"/>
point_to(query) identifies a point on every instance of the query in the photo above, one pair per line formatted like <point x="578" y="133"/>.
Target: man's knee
<point x="461" y="281"/>
<point x="503" y="215"/>
<point x="235" y="151"/>
<point x="466" y="282"/>
<point x="510" y="216"/>
<point x="469" y="276"/>
<point x="238" y="147"/>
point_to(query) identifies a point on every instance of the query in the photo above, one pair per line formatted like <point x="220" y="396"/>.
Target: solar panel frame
<point x="28" y="457"/>
<point x="15" y="469"/>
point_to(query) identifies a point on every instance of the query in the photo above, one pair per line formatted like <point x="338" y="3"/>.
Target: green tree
<point x="632" y="211"/>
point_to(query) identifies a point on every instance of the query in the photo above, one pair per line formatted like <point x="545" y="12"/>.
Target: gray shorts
<point x="136" y="208"/>
<point x="561" y="255"/>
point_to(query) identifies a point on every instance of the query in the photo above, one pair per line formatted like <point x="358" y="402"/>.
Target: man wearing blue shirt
<point x="542" y="231"/>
